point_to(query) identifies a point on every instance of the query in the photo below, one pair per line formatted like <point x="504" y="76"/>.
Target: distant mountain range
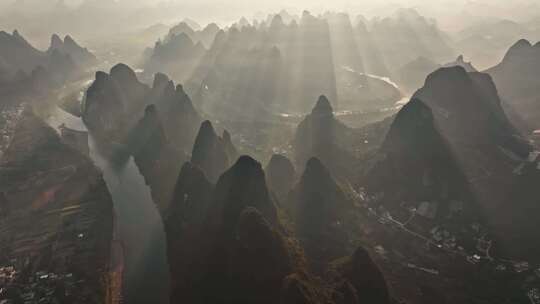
<point x="285" y="62"/>
<point x="28" y="72"/>
<point x="17" y="54"/>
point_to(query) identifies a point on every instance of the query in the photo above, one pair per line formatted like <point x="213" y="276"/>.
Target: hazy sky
<point x="449" y="13"/>
<point x="246" y="7"/>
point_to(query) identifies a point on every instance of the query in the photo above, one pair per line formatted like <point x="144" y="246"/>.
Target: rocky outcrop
<point x="18" y="54"/>
<point x="321" y="212"/>
<point x="250" y="266"/>
<point x="180" y="119"/>
<point x="68" y="46"/>
<point x="115" y="101"/>
<point x="483" y="150"/>
<point x="192" y="196"/>
<point x="147" y="139"/>
<point x="131" y="89"/>
<point x="236" y="253"/>
<point x="58" y="227"/>
<point x="260" y="258"/>
<point x="213" y="154"/>
<point x="280" y="175"/>
<point x="243" y="185"/>
<point x="460" y="61"/>
<point x="185" y="221"/>
<point x="227" y="243"/>
<point x="360" y="280"/>
<point x="112" y="102"/>
<point x="416" y="165"/>
<point x="158" y="161"/>
<point x="321" y="135"/>
<point x="468" y="110"/>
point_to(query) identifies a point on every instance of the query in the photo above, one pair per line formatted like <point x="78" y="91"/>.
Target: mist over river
<point x="146" y="277"/>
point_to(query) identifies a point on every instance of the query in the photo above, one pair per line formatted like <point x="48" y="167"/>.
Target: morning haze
<point x="274" y="152"/>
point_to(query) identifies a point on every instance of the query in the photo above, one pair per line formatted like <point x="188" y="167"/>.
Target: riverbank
<point x="146" y="272"/>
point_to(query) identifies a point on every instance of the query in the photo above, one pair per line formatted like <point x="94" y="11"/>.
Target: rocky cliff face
<point x="468" y="112"/>
<point x="259" y="258"/>
<point x="180" y="119"/>
<point x="236" y="253"/>
<point x="516" y="78"/>
<point x="243" y="185"/>
<point x="115" y="101"/>
<point x="321" y="212"/>
<point x="192" y="196"/>
<point x="57" y="219"/>
<point x="184" y="225"/>
<point x="321" y="135"/>
<point x="112" y="101"/>
<point x="417" y="165"/>
<point x="417" y="159"/>
<point x="227" y="243"/>
<point x="160" y="138"/>
<point x="457" y="120"/>
<point x="147" y="139"/>
<point x="359" y="279"/>
<point x="68" y="46"/>
<point x="280" y="175"/>
<point x="212" y="153"/>
<point x="18" y="54"/>
<point x="467" y="108"/>
<point x="155" y="156"/>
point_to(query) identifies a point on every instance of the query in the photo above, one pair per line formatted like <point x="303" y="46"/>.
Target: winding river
<point x="140" y="228"/>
